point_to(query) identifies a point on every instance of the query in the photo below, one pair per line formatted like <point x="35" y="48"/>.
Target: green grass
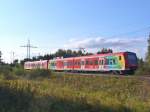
<point x="72" y="93"/>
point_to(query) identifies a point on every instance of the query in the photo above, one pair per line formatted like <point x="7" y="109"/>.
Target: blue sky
<point x="93" y="24"/>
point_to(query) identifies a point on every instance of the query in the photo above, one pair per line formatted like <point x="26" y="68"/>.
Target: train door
<point x="95" y="64"/>
<point x="82" y="64"/>
<point x="101" y="64"/>
<point x="65" y="65"/>
<point x="52" y="65"/>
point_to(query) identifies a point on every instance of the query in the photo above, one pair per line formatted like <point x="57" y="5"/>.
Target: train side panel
<point x="68" y="64"/>
<point x="52" y="65"/>
<point x="91" y="64"/>
<point x="114" y="62"/>
<point x="77" y="64"/>
<point x="36" y="65"/>
<point x="60" y="64"/>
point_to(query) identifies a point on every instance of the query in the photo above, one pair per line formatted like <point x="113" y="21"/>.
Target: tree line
<point x="65" y="54"/>
<point x="144" y="65"/>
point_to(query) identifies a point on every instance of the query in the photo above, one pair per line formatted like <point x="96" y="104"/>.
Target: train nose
<point x="133" y="67"/>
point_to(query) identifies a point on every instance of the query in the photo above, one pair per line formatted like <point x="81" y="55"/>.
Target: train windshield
<point x="132" y="59"/>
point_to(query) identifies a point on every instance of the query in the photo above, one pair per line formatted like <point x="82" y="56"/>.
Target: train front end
<point x="131" y="63"/>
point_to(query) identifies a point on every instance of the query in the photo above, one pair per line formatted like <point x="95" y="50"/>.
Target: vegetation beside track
<point x="73" y="93"/>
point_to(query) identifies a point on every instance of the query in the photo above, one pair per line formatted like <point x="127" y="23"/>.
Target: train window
<point x="82" y="62"/>
<point x="132" y="59"/>
<point x="102" y="62"/>
<point x="114" y="61"/>
<point x="96" y="62"/>
<point x="65" y="63"/>
<point x="87" y="62"/>
<point x="79" y="63"/>
<point x="68" y="64"/>
<point x="91" y="62"/>
<point x="110" y="61"/>
<point x="106" y="62"/>
<point x="119" y="57"/>
<point x="71" y="63"/>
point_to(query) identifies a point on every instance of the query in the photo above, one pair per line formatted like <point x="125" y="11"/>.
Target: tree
<point x="148" y="51"/>
<point x="147" y="60"/>
<point x="80" y="53"/>
<point x="69" y="52"/>
<point x="105" y="51"/>
<point x="0" y="57"/>
<point x="144" y="66"/>
<point x="60" y="53"/>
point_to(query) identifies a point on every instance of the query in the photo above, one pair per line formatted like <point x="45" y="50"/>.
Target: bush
<point x="5" y="69"/>
<point x="38" y="74"/>
<point x="19" y="71"/>
<point x="8" y="72"/>
<point x="143" y="70"/>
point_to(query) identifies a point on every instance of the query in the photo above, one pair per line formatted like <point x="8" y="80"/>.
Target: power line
<point x="28" y="46"/>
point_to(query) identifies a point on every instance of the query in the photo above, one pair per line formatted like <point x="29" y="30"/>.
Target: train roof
<point x="36" y="61"/>
<point x="70" y="58"/>
<point x="94" y="55"/>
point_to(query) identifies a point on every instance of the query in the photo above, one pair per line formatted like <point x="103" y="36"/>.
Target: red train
<point x="117" y="62"/>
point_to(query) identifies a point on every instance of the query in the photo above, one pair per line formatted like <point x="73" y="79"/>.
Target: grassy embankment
<point x="68" y="93"/>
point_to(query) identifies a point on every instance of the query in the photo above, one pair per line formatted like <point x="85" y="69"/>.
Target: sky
<point x="122" y="25"/>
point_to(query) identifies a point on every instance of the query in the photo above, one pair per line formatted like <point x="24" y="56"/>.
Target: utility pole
<point x="149" y="42"/>
<point x="28" y="46"/>
<point x="12" y="56"/>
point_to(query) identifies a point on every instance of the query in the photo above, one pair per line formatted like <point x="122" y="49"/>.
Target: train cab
<point x="131" y="61"/>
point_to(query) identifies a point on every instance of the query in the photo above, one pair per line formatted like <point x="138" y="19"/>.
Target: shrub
<point x="5" y="69"/>
<point x="19" y="71"/>
<point x="38" y="74"/>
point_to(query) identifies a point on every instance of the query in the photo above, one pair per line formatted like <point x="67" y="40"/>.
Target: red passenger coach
<point x="77" y="63"/>
<point x="91" y="63"/>
<point x="36" y="65"/>
<point x="59" y="64"/>
<point x="68" y="63"/>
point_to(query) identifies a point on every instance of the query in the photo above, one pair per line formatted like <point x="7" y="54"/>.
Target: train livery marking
<point x="121" y="61"/>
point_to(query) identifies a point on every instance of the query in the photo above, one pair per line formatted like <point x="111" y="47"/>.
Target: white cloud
<point x="117" y="44"/>
<point x="103" y="42"/>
